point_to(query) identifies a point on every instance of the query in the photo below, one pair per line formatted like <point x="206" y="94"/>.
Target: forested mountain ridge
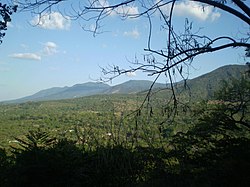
<point x="57" y="93"/>
<point x="204" y="86"/>
<point x="200" y="87"/>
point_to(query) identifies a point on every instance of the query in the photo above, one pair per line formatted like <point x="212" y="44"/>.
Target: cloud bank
<point x="26" y="56"/>
<point x="52" y="21"/>
<point x="182" y="8"/>
<point x="50" y="48"/>
<point x="125" y="10"/>
<point x="194" y="9"/>
<point x="134" y="33"/>
<point x="131" y="74"/>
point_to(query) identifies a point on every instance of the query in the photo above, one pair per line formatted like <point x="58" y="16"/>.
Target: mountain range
<point x="202" y="86"/>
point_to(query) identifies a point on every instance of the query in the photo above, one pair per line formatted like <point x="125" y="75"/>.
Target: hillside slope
<point x="57" y="93"/>
<point x="204" y="86"/>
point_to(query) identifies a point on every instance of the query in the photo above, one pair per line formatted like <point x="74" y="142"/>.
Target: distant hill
<point x="57" y="93"/>
<point x="200" y="87"/>
<point x="204" y="86"/>
<point x="87" y="89"/>
<point x="42" y="95"/>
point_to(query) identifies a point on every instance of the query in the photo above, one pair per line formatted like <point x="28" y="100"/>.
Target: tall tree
<point x="5" y="13"/>
<point x="235" y="98"/>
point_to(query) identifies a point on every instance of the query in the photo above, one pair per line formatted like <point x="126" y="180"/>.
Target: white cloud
<point x="26" y="56"/>
<point x="54" y="20"/>
<point x="9" y="24"/>
<point x="24" y="46"/>
<point x="50" y="48"/>
<point x="215" y="16"/>
<point x="194" y="9"/>
<point x="92" y="28"/>
<point x="127" y="10"/>
<point x="131" y="74"/>
<point x="134" y="33"/>
<point x="103" y="3"/>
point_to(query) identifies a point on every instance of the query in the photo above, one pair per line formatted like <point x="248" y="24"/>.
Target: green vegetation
<point x="104" y="140"/>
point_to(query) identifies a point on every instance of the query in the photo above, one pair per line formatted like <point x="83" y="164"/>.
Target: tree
<point x="235" y="100"/>
<point x="5" y="12"/>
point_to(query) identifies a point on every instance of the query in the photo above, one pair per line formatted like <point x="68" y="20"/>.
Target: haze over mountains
<point x="203" y="86"/>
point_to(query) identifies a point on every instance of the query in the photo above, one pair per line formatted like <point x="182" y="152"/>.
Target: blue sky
<point x="58" y="52"/>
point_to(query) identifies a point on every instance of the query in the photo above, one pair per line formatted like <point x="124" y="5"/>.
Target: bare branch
<point x="243" y="7"/>
<point x="226" y="8"/>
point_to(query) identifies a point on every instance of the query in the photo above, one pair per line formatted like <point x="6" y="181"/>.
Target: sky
<point x="56" y="51"/>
